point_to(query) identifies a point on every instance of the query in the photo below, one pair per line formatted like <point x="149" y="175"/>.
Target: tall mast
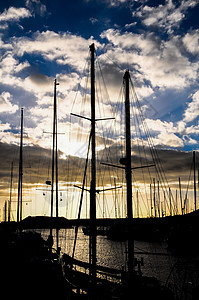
<point x="10" y="201"/>
<point x="54" y="153"/>
<point x="126" y="79"/>
<point x="19" y="201"/>
<point x="194" y="170"/>
<point x="92" y="243"/>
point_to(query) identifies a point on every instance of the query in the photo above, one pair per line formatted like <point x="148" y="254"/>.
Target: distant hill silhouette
<point x="45" y="222"/>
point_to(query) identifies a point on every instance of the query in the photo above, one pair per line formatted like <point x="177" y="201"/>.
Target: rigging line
<point x="106" y="96"/>
<point x="15" y="156"/>
<point x="79" y="120"/>
<point x="154" y="153"/>
<point x="82" y="74"/>
<point x="108" y="149"/>
<point x="137" y="188"/>
<point x="116" y="64"/>
<point x="139" y="134"/>
<point x="103" y="130"/>
<point x="107" y="208"/>
<point x="79" y="133"/>
<point x="143" y="172"/>
<point x="103" y="80"/>
<point x="82" y="193"/>
<point x="120" y="146"/>
<point x="77" y="166"/>
<point x="100" y="209"/>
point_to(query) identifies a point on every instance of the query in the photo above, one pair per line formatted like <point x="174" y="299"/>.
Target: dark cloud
<point x="37" y="168"/>
<point x="171" y="163"/>
<point x="40" y="79"/>
<point x="36" y="165"/>
<point x="37" y="162"/>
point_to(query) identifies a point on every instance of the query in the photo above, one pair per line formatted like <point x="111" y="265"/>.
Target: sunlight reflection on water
<point x="113" y="254"/>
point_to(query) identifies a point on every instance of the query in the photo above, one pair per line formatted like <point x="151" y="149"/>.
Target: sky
<point x="158" y="41"/>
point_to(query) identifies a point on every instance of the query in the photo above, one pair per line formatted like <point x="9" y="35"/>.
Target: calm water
<point x="183" y="273"/>
<point x="113" y="254"/>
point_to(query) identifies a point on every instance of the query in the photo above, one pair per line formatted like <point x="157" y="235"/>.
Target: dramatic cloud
<point x="6" y="105"/>
<point x="160" y="62"/>
<point x="157" y="42"/>
<point x="13" y="14"/>
<point x="191" y="41"/>
<point x="64" y="48"/>
<point x="4" y="127"/>
<point x="9" y="68"/>
<point x="167" y="16"/>
<point x="192" y="111"/>
<point x="166" y="133"/>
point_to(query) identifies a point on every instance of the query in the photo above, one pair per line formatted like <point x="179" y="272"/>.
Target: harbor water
<point x="181" y="273"/>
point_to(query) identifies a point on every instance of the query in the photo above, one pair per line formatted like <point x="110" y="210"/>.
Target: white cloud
<point x="131" y="41"/>
<point x="9" y="69"/>
<point x="4" y="45"/>
<point x="160" y="126"/>
<point x="169" y="134"/>
<point x="10" y="65"/>
<point x="192" y="141"/>
<point x="4" y="127"/>
<point x="187" y="131"/>
<point x="64" y="48"/>
<point x="165" y="133"/>
<point x="191" y="41"/>
<point x="6" y="105"/>
<point x="169" y="140"/>
<point x="167" y="16"/>
<point x="160" y="62"/>
<point x="21" y="66"/>
<point x="14" y="14"/>
<point x="192" y="111"/>
<point x="9" y="137"/>
<point x="144" y="91"/>
<point x="130" y="25"/>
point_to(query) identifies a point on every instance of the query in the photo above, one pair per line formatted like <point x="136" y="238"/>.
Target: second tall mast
<point x="92" y="244"/>
<point x="20" y="194"/>
<point x="128" y="171"/>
